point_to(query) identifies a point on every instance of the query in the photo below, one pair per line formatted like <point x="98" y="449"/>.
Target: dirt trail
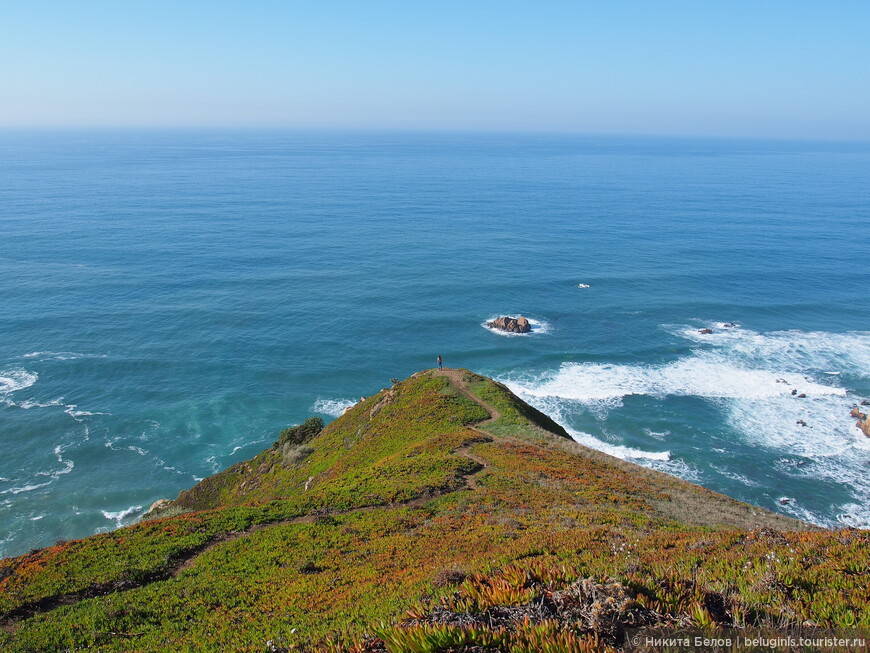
<point x="456" y="377"/>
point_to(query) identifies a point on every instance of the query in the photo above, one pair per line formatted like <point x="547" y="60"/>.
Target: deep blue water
<point x="170" y="300"/>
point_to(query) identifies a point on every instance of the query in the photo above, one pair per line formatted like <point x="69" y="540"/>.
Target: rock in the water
<point x="706" y="332"/>
<point x="864" y="425"/>
<point x="865" y="402"/>
<point x="857" y="414"/>
<point x="511" y="324"/>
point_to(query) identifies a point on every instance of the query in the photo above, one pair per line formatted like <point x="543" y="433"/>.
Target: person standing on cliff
<point x="440" y="366"/>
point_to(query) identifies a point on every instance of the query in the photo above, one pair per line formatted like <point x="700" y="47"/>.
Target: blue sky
<point x="763" y="68"/>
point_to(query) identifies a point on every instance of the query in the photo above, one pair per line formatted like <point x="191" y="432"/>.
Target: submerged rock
<point x="511" y="324"/>
<point x="706" y="332"/>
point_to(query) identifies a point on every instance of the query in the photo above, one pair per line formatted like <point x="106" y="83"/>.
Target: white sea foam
<point x="332" y="407"/>
<point x="119" y="516"/>
<point x="27" y="404"/>
<point x="61" y="355"/>
<point x="53" y="475"/>
<point x="557" y="412"/>
<point x="618" y="450"/>
<point x="674" y="467"/>
<point x="68" y="465"/>
<point x="26" y="488"/>
<point x="78" y="414"/>
<point x="538" y="327"/>
<point x="740" y="478"/>
<point x="656" y="434"/>
<point x="837" y="449"/>
<point x="795" y="351"/>
<point x="583" y="285"/>
<point x="854" y="515"/>
<point x="703" y="374"/>
<point x="13" y="380"/>
<point x="751" y="378"/>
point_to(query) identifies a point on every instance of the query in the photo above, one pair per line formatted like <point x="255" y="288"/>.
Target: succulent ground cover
<point x="441" y="514"/>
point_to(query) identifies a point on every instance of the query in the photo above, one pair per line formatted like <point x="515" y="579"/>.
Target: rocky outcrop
<point x="511" y="324"/>
<point x="863" y="422"/>
<point x="156" y="508"/>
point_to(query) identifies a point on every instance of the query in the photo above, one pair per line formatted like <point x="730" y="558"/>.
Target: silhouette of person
<point x="440" y="366"/>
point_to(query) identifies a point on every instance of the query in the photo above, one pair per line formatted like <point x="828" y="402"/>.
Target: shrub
<point x="293" y="454"/>
<point x="301" y="433"/>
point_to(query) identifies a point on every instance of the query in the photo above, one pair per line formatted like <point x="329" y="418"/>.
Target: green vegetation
<point x="515" y="416"/>
<point x="299" y="434"/>
<point x="417" y="522"/>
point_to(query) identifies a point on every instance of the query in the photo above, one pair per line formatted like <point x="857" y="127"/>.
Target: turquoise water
<point x="171" y="300"/>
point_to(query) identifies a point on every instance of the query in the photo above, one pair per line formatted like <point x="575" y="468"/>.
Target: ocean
<point x="170" y="300"/>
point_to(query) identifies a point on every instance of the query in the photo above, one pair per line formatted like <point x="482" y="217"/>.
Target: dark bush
<point x="301" y="433"/>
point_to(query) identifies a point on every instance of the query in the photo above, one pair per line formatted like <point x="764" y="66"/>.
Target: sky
<point x="759" y="68"/>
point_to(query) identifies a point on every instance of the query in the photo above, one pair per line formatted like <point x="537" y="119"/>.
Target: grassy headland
<point x="441" y="512"/>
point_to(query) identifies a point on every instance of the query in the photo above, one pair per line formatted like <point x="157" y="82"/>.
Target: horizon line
<point x="430" y="131"/>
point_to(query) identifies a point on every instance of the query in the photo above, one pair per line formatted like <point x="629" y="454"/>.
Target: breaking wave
<point x="332" y="407"/>
<point x="121" y="515"/>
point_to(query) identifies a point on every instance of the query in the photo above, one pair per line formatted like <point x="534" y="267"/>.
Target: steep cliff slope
<point x="440" y="512"/>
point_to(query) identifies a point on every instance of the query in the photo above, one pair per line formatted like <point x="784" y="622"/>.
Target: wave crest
<point x="332" y="407"/>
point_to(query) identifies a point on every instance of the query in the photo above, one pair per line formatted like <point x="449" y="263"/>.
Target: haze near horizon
<point x="743" y="69"/>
